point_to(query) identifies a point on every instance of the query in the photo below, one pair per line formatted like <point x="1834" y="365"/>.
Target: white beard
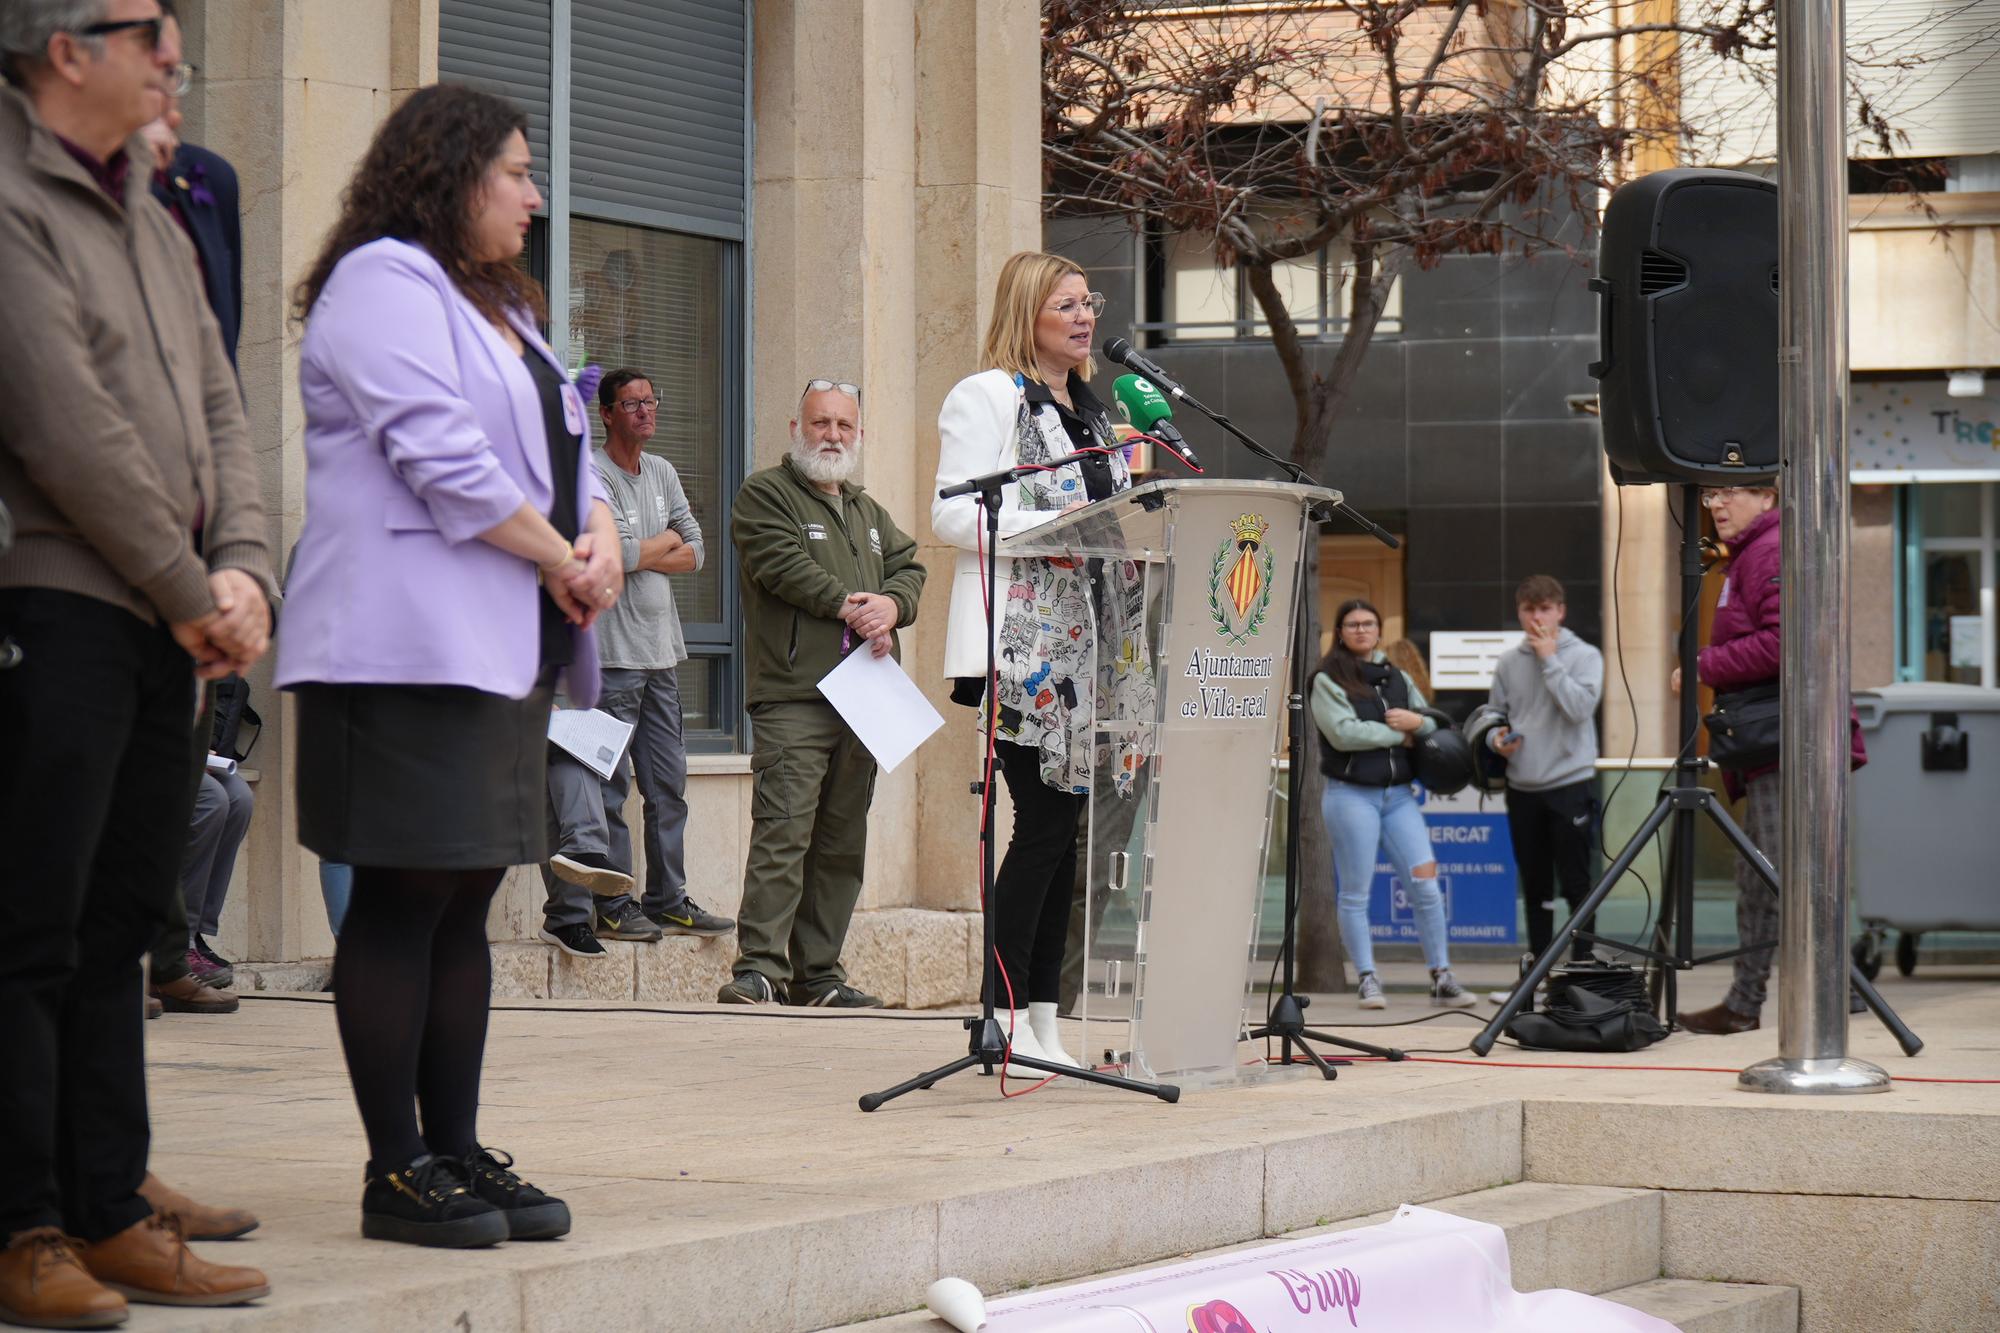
<point x="822" y="468"/>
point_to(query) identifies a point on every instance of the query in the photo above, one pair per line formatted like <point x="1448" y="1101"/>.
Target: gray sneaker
<point x="1446" y="993"/>
<point x="629" y="923"/>
<point x="690" y="919"/>
<point x="748" y="988"/>
<point x="839" y="995"/>
<point x="1369" y="992"/>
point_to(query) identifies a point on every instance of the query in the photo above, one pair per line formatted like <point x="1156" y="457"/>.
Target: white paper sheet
<point x="877" y="698"/>
<point x="596" y="738"/>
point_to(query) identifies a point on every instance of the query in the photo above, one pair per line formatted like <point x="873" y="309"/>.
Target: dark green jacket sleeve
<point x="773" y="551"/>
<point x="902" y="577"/>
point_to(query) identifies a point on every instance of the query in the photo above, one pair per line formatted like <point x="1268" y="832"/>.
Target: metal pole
<point x="1812" y="415"/>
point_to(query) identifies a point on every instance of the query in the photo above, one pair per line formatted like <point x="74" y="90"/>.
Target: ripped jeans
<point x="1360" y="821"/>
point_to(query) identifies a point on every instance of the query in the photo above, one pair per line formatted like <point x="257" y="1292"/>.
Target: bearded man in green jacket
<point x="825" y="571"/>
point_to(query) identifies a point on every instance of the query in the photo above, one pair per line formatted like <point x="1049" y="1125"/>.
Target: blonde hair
<point x="1026" y="280"/>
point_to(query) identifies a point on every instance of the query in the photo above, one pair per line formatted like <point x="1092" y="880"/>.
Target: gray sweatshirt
<point x="644" y="630"/>
<point x="1552" y="705"/>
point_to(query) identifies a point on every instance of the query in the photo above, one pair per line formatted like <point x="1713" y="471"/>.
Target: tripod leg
<point x="1327" y="1071"/>
<point x="874" y="1099"/>
<point x="1905" y="1038"/>
<point x="1489" y="1034"/>
<point x="1908" y="1040"/>
<point x="1389" y="1053"/>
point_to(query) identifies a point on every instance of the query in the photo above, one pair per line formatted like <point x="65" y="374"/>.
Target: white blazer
<point x="976" y="436"/>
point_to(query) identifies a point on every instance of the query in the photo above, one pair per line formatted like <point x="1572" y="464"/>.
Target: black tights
<point x="413" y="980"/>
<point x="1035" y="883"/>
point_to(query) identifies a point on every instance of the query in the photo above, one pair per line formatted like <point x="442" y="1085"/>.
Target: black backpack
<point x="1591" y="1007"/>
<point x="231" y="696"/>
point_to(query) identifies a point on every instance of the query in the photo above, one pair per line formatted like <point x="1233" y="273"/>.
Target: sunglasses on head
<point x="822" y="386"/>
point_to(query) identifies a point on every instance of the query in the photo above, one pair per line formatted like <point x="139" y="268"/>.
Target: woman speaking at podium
<point x="1031" y="404"/>
<point x="1366" y="713"/>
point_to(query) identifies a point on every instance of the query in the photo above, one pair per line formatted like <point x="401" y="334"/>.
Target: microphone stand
<point x="1286" y="1019"/>
<point x="988" y="1044"/>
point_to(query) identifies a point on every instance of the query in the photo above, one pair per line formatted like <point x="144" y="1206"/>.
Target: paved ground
<point x="704" y="1123"/>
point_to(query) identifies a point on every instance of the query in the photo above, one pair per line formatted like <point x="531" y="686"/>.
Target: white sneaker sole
<point x="603" y="883"/>
<point x="1379" y="1002"/>
<point x="1465" y="1001"/>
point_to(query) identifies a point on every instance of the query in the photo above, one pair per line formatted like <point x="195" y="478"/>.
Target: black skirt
<point x="423" y="777"/>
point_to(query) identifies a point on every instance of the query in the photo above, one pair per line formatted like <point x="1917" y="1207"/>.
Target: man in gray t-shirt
<point x="640" y="643"/>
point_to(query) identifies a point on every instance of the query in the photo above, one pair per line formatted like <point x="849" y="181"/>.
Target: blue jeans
<point x="1359" y="821"/>
<point x="336" y="885"/>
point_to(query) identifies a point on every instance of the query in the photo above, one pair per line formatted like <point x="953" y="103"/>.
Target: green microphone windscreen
<point x="1142" y="404"/>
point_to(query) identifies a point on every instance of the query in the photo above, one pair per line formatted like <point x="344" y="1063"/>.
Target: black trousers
<point x="1555" y="844"/>
<point x="96" y="794"/>
<point x="1035" y="882"/>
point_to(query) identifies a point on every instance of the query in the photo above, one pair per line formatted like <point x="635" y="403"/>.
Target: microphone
<point x="1141" y="404"/>
<point x="1121" y="351"/>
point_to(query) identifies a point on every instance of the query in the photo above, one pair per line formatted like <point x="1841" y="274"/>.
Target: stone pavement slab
<point x="721" y="1175"/>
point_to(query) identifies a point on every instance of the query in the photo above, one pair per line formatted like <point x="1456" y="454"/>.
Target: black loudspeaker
<point x="1688" y="328"/>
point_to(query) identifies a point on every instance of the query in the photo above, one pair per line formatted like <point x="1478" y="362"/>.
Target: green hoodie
<point x="802" y="552"/>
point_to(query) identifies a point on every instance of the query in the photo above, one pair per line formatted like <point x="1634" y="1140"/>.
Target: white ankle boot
<point x="1042" y="1020"/>
<point x="1017" y="1029"/>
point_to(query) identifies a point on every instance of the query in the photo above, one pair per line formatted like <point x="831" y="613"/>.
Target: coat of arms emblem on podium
<point x="1239" y="584"/>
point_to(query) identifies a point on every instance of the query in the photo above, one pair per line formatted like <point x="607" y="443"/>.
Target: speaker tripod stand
<point x="1685" y="802"/>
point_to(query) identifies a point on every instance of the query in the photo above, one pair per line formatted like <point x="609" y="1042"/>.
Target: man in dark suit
<point x="199" y="188"/>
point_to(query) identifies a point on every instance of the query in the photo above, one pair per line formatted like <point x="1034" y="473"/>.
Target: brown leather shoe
<point x="150" y="1263"/>
<point x="153" y="1006"/>
<point x="198" y="1220"/>
<point x="44" y="1285"/>
<point x="1717" y="1022"/>
<point x="186" y="995"/>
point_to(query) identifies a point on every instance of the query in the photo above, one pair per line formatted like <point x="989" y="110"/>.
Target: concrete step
<point x="1583" y="1237"/>
<point x="1714" y="1307"/>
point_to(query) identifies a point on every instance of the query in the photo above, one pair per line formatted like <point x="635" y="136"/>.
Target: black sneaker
<point x="593" y="870"/>
<point x="690" y="919"/>
<point x="206" y="950"/>
<point x="531" y="1214"/>
<point x="429" y="1202"/>
<point x="748" y="988"/>
<point x="578" y="941"/>
<point x="839" y="995"/>
<point x="628" y="923"/>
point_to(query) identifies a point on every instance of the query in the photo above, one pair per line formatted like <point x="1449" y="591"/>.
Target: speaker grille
<point x="1659" y="272"/>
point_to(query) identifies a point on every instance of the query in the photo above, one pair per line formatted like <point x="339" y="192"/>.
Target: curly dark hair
<point x="417" y="183"/>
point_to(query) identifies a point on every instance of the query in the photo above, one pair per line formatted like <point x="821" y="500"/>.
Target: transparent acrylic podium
<point x="1187" y="705"/>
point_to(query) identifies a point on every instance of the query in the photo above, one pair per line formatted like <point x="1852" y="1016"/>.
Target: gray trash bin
<point x="1920" y="813"/>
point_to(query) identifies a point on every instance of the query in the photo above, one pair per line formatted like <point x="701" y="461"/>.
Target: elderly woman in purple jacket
<point x="1743" y="650"/>
<point x="457" y="548"/>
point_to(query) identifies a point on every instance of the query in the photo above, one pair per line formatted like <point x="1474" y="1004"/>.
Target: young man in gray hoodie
<point x="1548" y="686"/>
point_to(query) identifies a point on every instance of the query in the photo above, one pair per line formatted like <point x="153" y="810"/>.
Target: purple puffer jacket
<point x="1743" y="642"/>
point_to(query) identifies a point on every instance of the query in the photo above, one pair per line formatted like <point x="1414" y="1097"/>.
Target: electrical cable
<point x="1434" y="1059"/>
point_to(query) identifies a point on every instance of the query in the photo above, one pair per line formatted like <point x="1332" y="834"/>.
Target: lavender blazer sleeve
<point x="423" y="430"/>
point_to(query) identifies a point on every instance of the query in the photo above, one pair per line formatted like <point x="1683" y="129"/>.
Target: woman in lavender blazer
<point x="456" y="550"/>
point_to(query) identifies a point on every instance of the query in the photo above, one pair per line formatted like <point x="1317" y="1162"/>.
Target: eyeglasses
<point x="1360" y="625"/>
<point x="1715" y="495"/>
<point x="148" y="29"/>
<point x="1069" y="308"/>
<point x="181" y="78"/>
<point x="632" y="407"/>
<point x="823" y="386"/>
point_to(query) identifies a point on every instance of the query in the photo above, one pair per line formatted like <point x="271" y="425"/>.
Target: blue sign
<point x="1475" y="859"/>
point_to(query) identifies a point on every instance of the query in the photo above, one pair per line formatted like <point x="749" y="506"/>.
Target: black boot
<point x="531" y="1214"/>
<point x="429" y="1202"/>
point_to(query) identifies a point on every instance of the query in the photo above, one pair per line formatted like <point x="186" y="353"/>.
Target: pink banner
<point x="1423" y="1272"/>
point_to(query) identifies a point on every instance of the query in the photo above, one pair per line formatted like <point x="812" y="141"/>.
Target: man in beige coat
<point x="140" y="562"/>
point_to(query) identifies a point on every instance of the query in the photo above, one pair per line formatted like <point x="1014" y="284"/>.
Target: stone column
<point x="978" y="200"/>
<point x="291" y="94"/>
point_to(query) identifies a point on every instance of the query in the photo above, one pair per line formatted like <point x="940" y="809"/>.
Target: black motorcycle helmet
<point x="1443" y="760"/>
<point x="1489" y="770"/>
